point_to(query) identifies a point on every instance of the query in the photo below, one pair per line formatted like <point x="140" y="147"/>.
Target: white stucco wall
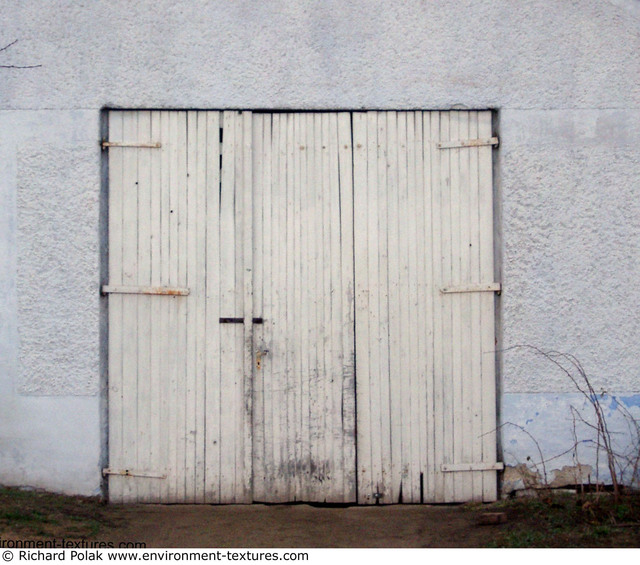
<point x="563" y="76"/>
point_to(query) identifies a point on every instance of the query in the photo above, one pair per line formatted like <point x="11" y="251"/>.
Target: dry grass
<point x="42" y="515"/>
<point x="566" y="520"/>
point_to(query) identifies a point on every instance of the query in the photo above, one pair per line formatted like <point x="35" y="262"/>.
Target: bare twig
<point x="19" y="66"/>
<point x="576" y="459"/>
<point x="8" y="45"/>
<point x="15" y="66"/>
<point x="576" y="373"/>
<point x="535" y="441"/>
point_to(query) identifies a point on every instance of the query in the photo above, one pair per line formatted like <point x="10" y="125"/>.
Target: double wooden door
<point x="300" y="307"/>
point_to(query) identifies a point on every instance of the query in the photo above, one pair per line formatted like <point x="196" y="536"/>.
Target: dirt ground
<point x="29" y="515"/>
<point x="553" y="521"/>
<point x="301" y="526"/>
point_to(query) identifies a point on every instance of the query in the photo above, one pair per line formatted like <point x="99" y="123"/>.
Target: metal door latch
<point x="259" y="354"/>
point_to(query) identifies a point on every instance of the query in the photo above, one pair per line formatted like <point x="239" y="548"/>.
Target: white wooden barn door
<point x="222" y="226"/>
<point x="424" y="307"/>
<point x="179" y="378"/>
<point x="304" y="392"/>
<point x="254" y="260"/>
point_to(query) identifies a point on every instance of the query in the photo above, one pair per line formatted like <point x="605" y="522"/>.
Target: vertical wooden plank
<point x="404" y="305"/>
<point x="143" y="399"/>
<point x="238" y="329"/>
<point x="336" y="469"/>
<point x="325" y="315"/>
<point x="314" y="226"/>
<point x="247" y="266"/>
<point x="485" y="205"/>
<point x="325" y="212"/>
<point x="348" y="306"/>
<point x="366" y="487"/>
<point x="173" y="357"/>
<point x="456" y="368"/>
<point x="199" y="299"/>
<point x="306" y="120"/>
<point x="258" y="420"/>
<point x="428" y="301"/>
<point x="165" y="338"/>
<point x="191" y="306"/>
<point x="267" y="474"/>
<point x="183" y="365"/>
<point x="324" y="312"/>
<point x="437" y="213"/>
<point x="449" y="225"/>
<point x="229" y="408"/>
<point x="264" y="473"/>
<point x="281" y="454"/>
<point x="274" y="484"/>
<point x="423" y="327"/>
<point x="295" y="290"/>
<point x="466" y="431"/>
<point x="157" y="312"/>
<point x="381" y="274"/>
<point x="395" y="360"/>
<point x="270" y="305"/>
<point x="372" y="347"/>
<point x="415" y="356"/>
<point x="213" y="368"/>
<point x="116" y="216"/>
<point x="289" y="293"/>
<point x="475" y="388"/>
<point x="269" y="155"/>
<point x="316" y="321"/>
<point x="130" y="303"/>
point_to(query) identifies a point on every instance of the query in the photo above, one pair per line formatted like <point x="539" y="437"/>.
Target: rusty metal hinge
<point x="130" y="473"/>
<point x="462" y="467"/>
<point x="486" y="287"/>
<point x="468" y="143"/>
<point x="160" y="290"/>
<point x="149" y="145"/>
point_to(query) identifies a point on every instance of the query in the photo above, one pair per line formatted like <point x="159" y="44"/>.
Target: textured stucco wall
<point x="571" y="245"/>
<point x="562" y="75"/>
<point x="323" y="54"/>
<point x="50" y="419"/>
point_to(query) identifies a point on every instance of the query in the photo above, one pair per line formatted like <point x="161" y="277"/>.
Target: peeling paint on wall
<point x="523" y="478"/>
<point x="549" y="439"/>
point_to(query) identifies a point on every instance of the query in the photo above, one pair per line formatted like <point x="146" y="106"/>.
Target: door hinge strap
<point x="487" y="287"/>
<point x="461" y="467"/>
<point x="468" y="143"/>
<point x="161" y="290"/>
<point x="130" y="473"/>
<point x="149" y="145"/>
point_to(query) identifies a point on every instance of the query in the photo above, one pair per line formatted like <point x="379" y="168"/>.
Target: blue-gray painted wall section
<point x="549" y="431"/>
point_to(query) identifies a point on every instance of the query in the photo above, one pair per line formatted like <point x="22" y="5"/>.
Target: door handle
<point x="259" y="354"/>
